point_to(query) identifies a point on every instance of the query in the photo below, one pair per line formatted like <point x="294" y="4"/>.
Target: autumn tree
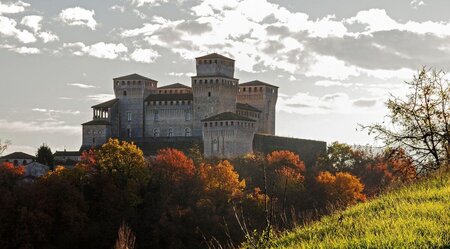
<point x="221" y="179"/>
<point x="285" y="172"/>
<point x="124" y="160"/>
<point x="340" y="188"/>
<point x="420" y="121"/>
<point x="172" y="165"/>
<point x="44" y="155"/>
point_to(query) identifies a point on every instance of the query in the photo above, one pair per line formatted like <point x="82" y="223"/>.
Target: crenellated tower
<point x="264" y="97"/>
<point x="131" y="90"/>
<point x="214" y="88"/>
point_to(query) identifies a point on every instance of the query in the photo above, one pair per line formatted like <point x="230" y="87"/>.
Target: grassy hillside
<point x="417" y="216"/>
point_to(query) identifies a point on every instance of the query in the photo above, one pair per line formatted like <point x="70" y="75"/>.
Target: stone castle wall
<point x="307" y="149"/>
<point x="159" y="119"/>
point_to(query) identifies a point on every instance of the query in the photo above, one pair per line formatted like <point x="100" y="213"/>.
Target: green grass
<point x="416" y="216"/>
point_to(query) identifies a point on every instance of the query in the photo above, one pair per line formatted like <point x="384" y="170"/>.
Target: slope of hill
<point x="416" y="216"/>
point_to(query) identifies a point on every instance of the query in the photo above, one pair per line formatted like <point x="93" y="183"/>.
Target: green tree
<point x="420" y="121"/>
<point x="44" y="155"/>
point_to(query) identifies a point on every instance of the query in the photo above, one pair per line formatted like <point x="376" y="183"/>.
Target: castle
<point x="217" y="111"/>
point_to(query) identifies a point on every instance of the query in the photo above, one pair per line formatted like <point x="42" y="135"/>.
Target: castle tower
<point x="131" y="91"/>
<point x="214" y="88"/>
<point x="264" y="97"/>
<point x="228" y="135"/>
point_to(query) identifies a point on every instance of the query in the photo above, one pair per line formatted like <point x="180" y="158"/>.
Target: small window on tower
<point x="209" y="94"/>
<point x="129" y="116"/>
<point x="128" y="132"/>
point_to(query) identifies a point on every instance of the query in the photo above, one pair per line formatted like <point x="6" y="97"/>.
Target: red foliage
<point x="173" y="165"/>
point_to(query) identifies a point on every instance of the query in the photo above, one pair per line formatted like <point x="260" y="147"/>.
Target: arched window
<point x="124" y="93"/>
<point x="170" y="132"/>
<point x="155" y="115"/>
<point x="156" y="132"/>
<point x="209" y="94"/>
<point x="187" y="132"/>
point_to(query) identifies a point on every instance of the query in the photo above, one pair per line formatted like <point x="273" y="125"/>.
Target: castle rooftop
<point x="175" y="85"/>
<point x="97" y="122"/>
<point x="134" y="76"/>
<point x="256" y="83"/>
<point x="227" y="116"/>
<point x="18" y="155"/>
<point x="106" y="104"/>
<point x="214" y="56"/>
<point x="245" y="106"/>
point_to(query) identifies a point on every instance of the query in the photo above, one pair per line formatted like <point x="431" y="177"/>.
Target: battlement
<point x="215" y="65"/>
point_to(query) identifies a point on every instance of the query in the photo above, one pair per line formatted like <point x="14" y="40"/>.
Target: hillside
<point x="417" y="216"/>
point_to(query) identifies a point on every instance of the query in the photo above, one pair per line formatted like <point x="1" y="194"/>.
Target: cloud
<point x="376" y="20"/>
<point x="140" y="3"/>
<point x="330" y="67"/>
<point x="8" y="29"/>
<point x="33" y="22"/>
<point x="181" y="74"/>
<point x="119" y="8"/>
<point x="48" y="37"/>
<point x="364" y="102"/>
<point x="329" y="83"/>
<point x="78" y="16"/>
<point x="50" y="127"/>
<point x="80" y="85"/>
<point x="101" y="97"/>
<point x="416" y="3"/>
<point x="26" y="50"/>
<point x="144" y="55"/>
<point x="99" y="50"/>
<point x="52" y="111"/>
<point x="13" y="8"/>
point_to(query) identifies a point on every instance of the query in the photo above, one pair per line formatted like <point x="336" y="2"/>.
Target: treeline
<point x="175" y="200"/>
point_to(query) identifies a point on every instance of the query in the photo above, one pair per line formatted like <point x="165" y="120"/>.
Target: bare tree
<point x="126" y="239"/>
<point x="4" y="146"/>
<point x="419" y="122"/>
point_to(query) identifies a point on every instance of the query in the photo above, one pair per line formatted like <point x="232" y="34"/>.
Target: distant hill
<point x="416" y="216"/>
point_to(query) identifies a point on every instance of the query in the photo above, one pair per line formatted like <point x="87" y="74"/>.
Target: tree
<point x="4" y="146"/>
<point x="420" y="121"/>
<point x="44" y="155"/>
<point x="221" y="179"/>
<point x="341" y="188"/>
<point x="173" y="166"/>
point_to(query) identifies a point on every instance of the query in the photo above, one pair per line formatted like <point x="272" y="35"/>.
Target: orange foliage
<point x="221" y="178"/>
<point x="174" y="165"/>
<point x="342" y="188"/>
<point x="285" y="158"/>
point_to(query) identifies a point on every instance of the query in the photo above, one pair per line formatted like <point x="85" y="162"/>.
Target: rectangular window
<point x="155" y="116"/>
<point x="187" y="115"/>
<point x="128" y="132"/>
<point x="129" y="116"/>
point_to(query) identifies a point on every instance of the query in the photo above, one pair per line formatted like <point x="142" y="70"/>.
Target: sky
<point x="336" y="62"/>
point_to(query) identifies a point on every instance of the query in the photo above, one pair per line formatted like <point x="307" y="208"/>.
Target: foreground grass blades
<point x="416" y="216"/>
